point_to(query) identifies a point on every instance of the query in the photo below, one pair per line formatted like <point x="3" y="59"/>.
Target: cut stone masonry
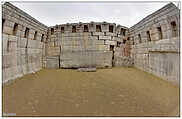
<point x="151" y="45"/>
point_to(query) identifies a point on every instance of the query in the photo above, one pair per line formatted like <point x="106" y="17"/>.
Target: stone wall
<point x="155" y="43"/>
<point x="151" y="45"/>
<point x="23" y="44"/>
<point x="122" y="55"/>
<point x="86" y="44"/>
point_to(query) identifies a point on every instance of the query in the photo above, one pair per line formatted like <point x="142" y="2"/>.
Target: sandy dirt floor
<point x="107" y="92"/>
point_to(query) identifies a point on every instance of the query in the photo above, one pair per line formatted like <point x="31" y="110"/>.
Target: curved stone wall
<point x="85" y="44"/>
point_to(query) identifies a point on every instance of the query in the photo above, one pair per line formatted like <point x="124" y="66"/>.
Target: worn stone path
<point x="107" y="92"/>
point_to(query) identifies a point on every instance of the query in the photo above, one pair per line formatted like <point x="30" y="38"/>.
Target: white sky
<point x="123" y="13"/>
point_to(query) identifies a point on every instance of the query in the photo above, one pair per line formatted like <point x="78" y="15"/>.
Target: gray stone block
<point x="108" y="42"/>
<point x="104" y="37"/>
<point x="86" y="69"/>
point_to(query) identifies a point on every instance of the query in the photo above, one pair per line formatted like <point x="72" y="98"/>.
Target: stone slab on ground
<point x="86" y="69"/>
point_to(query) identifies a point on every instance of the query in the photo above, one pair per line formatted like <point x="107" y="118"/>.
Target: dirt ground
<point x="107" y="92"/>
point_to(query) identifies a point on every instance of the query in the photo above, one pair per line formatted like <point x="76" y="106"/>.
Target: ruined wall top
<point x="20" y="12"/>
<point x="162" y="24"/>
<point x="166" y="15"/>
<point x="88" y="27"/>
<point x="89" y="23"/>
<point x="162" y="11"/>
<point x="18" y="23"/>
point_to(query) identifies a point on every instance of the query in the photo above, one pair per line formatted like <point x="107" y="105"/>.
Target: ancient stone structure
<point x="84" y="45"/>
<point x="156" y="43"/>
<point x="151" y="45"/>
<point x="23" y="43"/>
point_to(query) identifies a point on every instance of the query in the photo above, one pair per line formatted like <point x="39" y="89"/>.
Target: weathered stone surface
<point x="116" y="39"/>
<point x="123" y="61"/>
<point x="108" y="42"/>
<point x="78" y="59"/>
<point x="158" y="56"/>
<point x="52" y="62"/>
<point x="82" y="49"/>
<point x="104" y="37"/>
<point x="98" y="33"/>
<point x="20" y="55"/>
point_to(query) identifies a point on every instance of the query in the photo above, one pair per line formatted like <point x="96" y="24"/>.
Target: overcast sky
<point x="123" y="13"/>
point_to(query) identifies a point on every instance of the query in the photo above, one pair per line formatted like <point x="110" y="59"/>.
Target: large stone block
<point x="103" y="47"/>
<point x="53" y="51"/>
<point x="52" y="62"/>
<point x="165" y="65"/>
<point x="22" y="42"/>
<point x="108" y="42"/>
<point x="5" y="43"/>
<point x="111" y="34"/>
<point x="104" y="37"/>
<point x="93" y="38"/>
<point x="117" y="39"/>
<point x="123" y="61"/>
<point x="86" y="69"/>
<point x="33" y="44"/>
<point x="85" y="59"/>
<point x="98" y="33"/>
<point x="12" y="38"/>
<point x="7" y="30"/>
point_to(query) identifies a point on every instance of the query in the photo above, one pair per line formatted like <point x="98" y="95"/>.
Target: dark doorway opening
<point x="85" y="28"/>
<point x="62" y="29"/>
<point x="111" y="28"/>
<point x="98" y="28"/>
<point x="112" y="49"/>
<point x="174" y="29"/>
<point x="160" y="32"/>
<point x="148" y="36"/>
<point x="74" y="29"/>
